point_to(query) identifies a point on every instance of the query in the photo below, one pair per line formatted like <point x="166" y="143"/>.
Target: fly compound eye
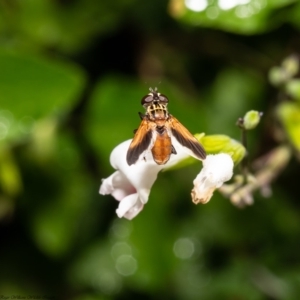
<point x="163" y="98"/>
<point x="147" y="99"/>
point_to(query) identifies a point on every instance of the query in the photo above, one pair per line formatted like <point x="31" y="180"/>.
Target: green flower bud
<point x="293" y="88"/>
<point x="288" y="69"/>
<point x="215" y="144"/>
<point x="277" y="76"/>
<point x="251" y="119"/>
<point x="219" y="143"/>
<point x="289" y="115"/>
<point x="291" y="65"/>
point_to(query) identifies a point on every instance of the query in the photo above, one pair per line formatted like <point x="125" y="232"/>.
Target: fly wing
<point x="185" y="138"/>
<point x="141" y="141"/>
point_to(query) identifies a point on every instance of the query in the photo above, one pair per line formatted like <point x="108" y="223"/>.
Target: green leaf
<point x="66" y="26"/>
<point x="33" y="87"/>
<point x="243" y="18"/>
<point x="10" y="178"/>
<point x="55" y="222"/>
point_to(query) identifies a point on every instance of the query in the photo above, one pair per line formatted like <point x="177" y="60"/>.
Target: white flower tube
<point x="216" y="170"/>
<point x="131" y="185"/>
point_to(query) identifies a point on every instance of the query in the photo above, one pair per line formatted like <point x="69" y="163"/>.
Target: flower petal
<point x="216" y="170"/>
<point x="129" y="207"/>
<point x="131" y="185"/>
<point x="141" y="175"/>
<point x="117" y="185"/>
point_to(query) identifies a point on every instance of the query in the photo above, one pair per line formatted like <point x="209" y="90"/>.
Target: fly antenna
<point x="153" y="90"/>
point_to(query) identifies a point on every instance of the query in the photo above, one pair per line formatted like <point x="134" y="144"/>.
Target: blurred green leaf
<point x="10" y="178"/>
<point x="58" y="219"/>
<point x="33" y="87"/>
<point x="294" y="16"/>
<point x="95" y="268"/>
<point x="243" y="17"/>
<point x="68" y="208"/>
<point x="65" y="25"/>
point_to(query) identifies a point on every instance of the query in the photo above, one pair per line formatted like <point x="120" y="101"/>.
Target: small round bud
<point x="293" y="88"/>
<point x="251" y="119"/>
<point x="289" y="115"/>
<point x="291" y="65"/>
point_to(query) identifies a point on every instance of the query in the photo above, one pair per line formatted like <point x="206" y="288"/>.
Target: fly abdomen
<point x="162" y="147"/>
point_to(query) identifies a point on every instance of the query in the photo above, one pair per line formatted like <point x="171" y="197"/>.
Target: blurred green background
<point x="72" y="74"/>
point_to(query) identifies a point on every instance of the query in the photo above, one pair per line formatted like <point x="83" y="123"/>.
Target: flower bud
<point x="293" y="88"/>
<point x="251" y="119"/>
<point x="214" y="144"/>
<point x="289" y="115"/>
<point x="282" y="74"/>
<point x="291" y="65"/>
<point x="277" y="76"/>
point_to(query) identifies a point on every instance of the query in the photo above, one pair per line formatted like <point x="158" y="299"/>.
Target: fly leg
<point x="173" y="150"/>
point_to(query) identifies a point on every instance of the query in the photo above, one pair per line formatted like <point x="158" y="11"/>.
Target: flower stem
<point x="244" y="166"/>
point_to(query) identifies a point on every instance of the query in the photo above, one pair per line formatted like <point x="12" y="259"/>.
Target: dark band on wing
<point x="192" y="144"/>
<point x="136" y="149"/>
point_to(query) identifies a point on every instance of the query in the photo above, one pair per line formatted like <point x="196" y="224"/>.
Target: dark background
<point x="72" y="73"/>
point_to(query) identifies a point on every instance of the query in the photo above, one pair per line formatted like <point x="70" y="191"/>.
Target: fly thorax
<point x="157" y="111"/>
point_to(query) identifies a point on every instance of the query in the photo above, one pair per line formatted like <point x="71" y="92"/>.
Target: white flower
<point x="131" y="185"/>
<point x="216" y="170"/>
